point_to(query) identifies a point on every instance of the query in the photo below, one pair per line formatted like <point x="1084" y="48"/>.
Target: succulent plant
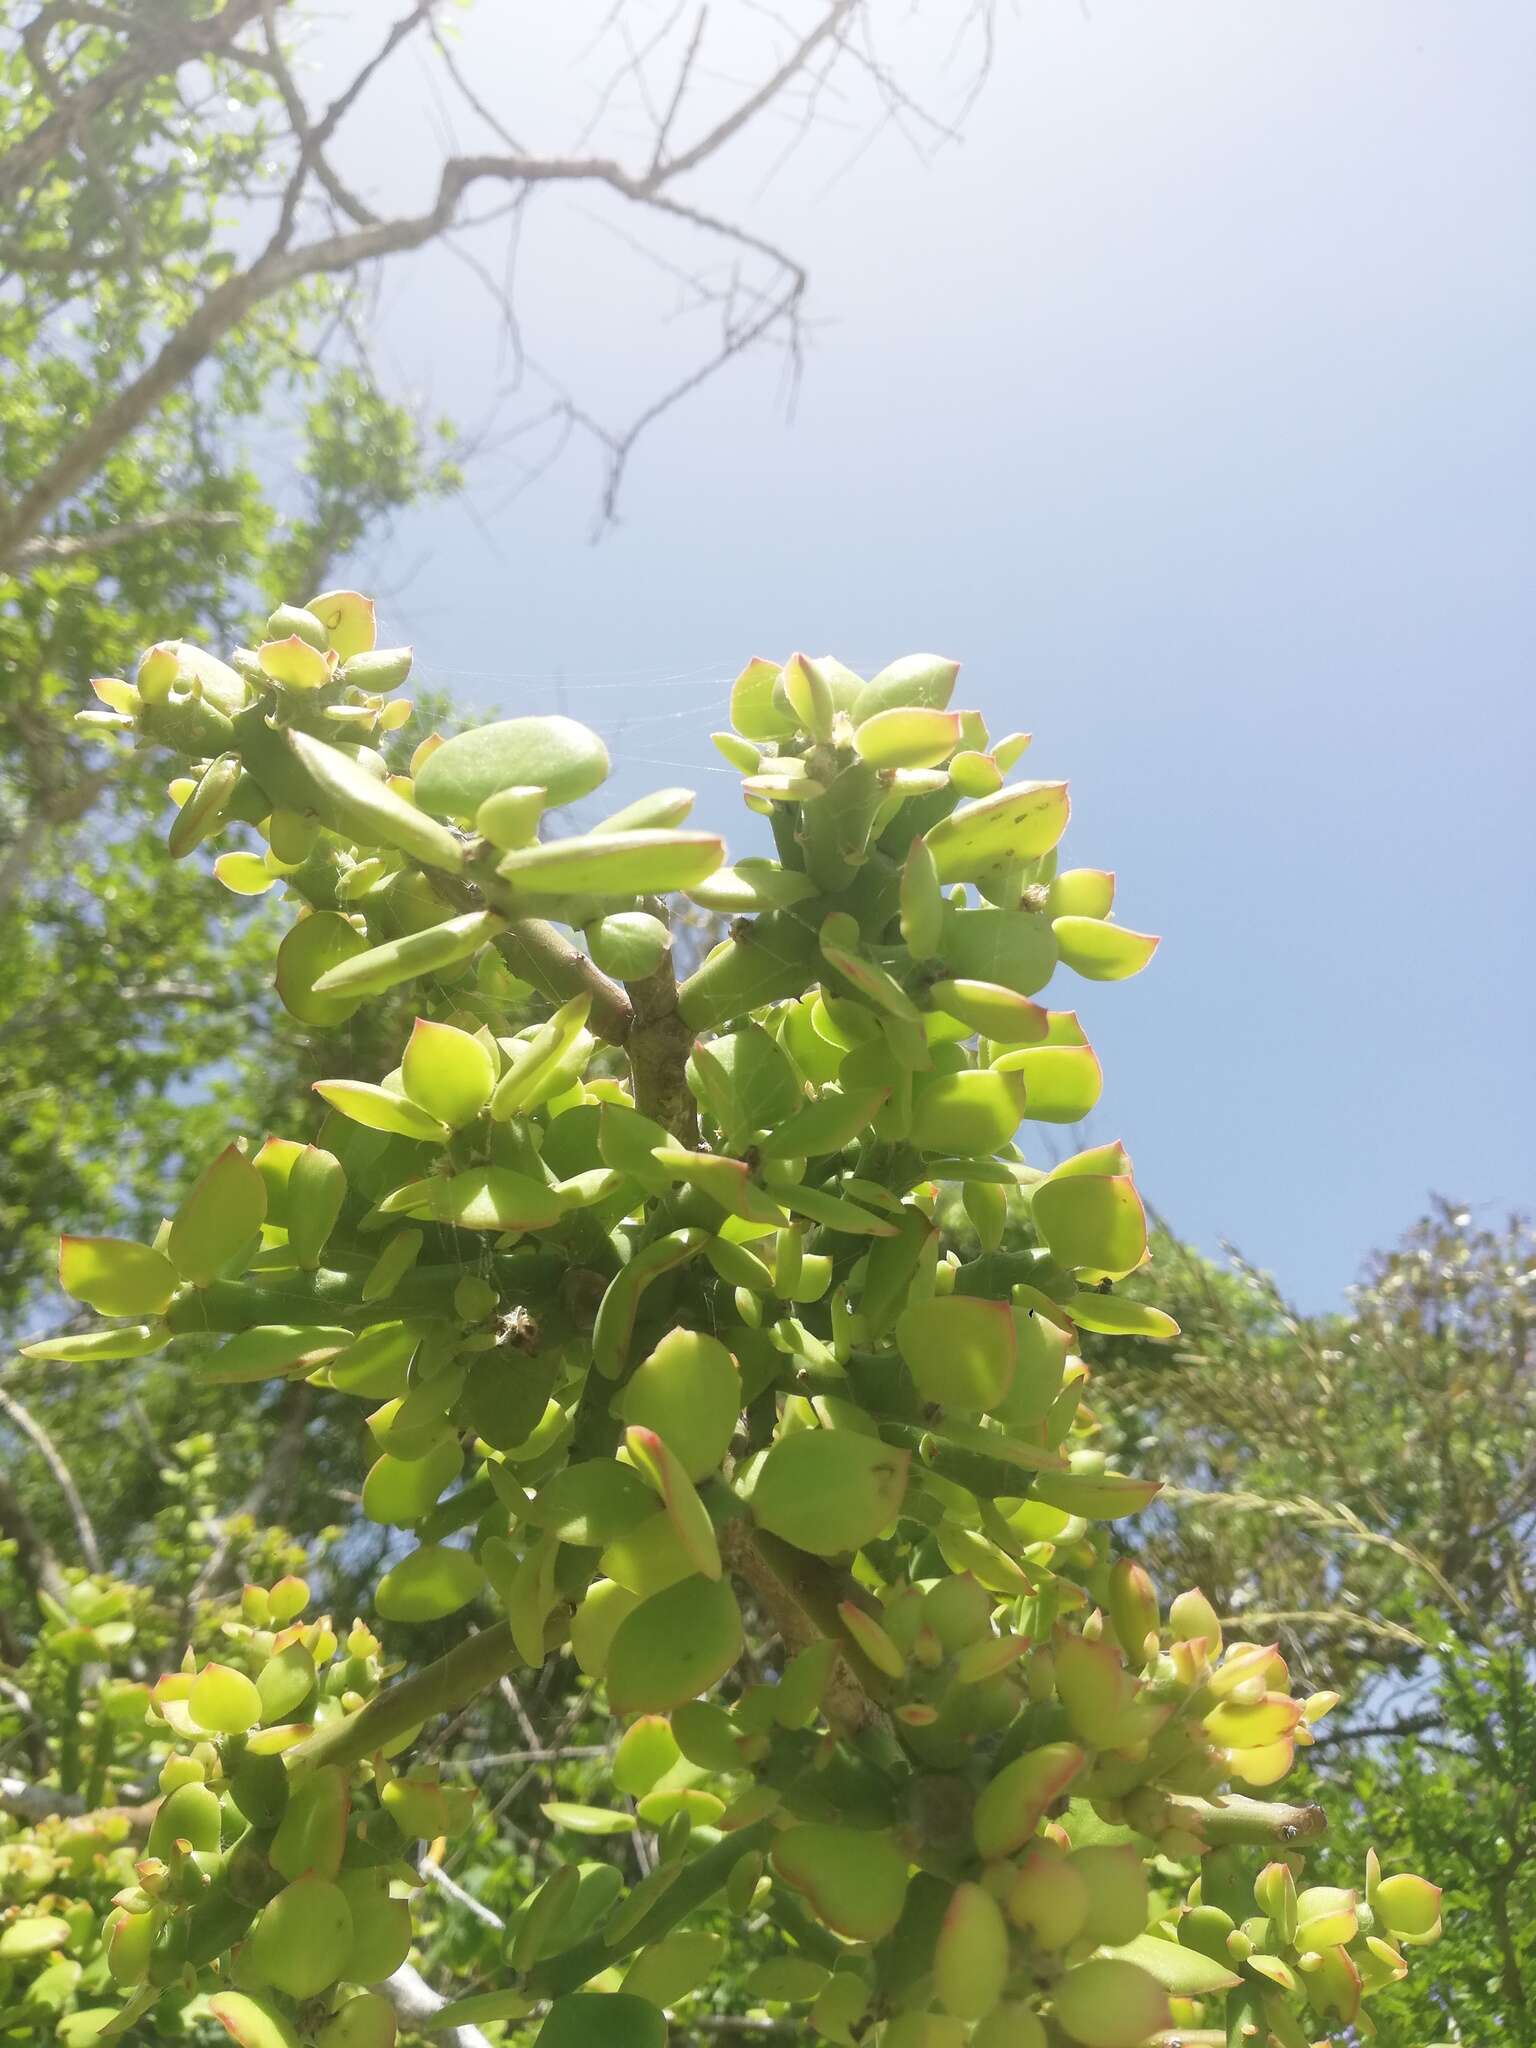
<point x="641" y="1293"/>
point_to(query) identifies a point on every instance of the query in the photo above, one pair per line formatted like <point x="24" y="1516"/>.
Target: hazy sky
<point x="1189" y="403"/>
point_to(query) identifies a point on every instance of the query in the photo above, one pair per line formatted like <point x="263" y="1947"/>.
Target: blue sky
<point x="1189" y="403"/>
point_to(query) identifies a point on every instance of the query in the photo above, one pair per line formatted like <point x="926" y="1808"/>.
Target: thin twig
<point x="450" y="1888"/>
<point x="64" y="1479"/>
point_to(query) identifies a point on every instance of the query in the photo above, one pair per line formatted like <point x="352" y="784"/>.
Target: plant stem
<point x="1245" y="2019"/>
<point x="101" y="1758"/>
<point x="700" y="1880"/>
<point x="541" y="954"/>
<point x="1236" y="1819"/>
<point x="802" y="1595"/>
<point x="69" y="1737"/>
<point x="451" y="1682"/>
<point x="658" y="1045"/>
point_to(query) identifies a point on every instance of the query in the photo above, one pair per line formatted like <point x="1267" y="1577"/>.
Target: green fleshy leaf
<point x="1184" y="1971"/>
<point x="399" y="1491"/>
<point x="999" y="832"/>
<point x="829" y="1491"/>
<point x="379" y="1109"/>
<point x="1099" y="1496"/>
<point x="1100" y="951"/>
<point x="1093" y="1222"/>
<point x="925" y="680"/>
<point x="491" y="1198"/>
<point x="554" y="754"/>
<point x="130" y="1340"/>
<point x="1014" y="947"/>
<point x="751" y="885"/>
<point x="115" y="1276"/>
<point x="613" y="864"/>
<point x="1112" y="1315"/>
<point x="371" y="811"/>
<point x="447" y="1072"/>
<point x="689" y="1391"/>
<point x="587" y="1820"/>
<point x="674" y="1646"/>
<point x="959" y="1349"/>
<point x="219" y="1218"/>
<point x="1081" y="892"/>
<point x="629" y="945"/>
<point x="364" y="970"/>
<point x="1062" y="1083"/>
<point x="914" y="736"/>
<point x="593" y="2019"/>
<point x="972" y="1111"/>
<point x="315" y="947"/>
<point x="428" y="1584"/>
<point x="744" y="1080"/>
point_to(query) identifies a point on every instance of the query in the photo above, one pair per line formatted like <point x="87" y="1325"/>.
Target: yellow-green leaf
<point x="613" y="864"/>
<point x="448" y="1073"/>
<point x="1015" y="826"/>
<point x="219" y="1218"/>
<point x="379" y="1109"/>
<point x="1100" y="951"/>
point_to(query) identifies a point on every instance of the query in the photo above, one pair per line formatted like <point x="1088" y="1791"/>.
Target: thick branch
<point x="415" y="2003"/>
<point x="658" y="1045"/>
<point x="542" y="954"/>
<point x="801" y="1595"/>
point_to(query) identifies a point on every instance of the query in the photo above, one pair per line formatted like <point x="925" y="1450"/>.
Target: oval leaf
<point x="554" y="754"/>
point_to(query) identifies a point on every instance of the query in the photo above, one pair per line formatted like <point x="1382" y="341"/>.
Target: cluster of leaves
<point x="1361" y="1484"/>
<point x="640" y="1345"/>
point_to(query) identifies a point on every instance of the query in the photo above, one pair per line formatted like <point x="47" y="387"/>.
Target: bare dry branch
<point x="64" y="1479"/>
<point x="761" y="302"/>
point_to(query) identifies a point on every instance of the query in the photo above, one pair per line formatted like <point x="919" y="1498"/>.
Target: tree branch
<point x="450" y="1888"/>
<point x="34" y="1559"/>
<point x="281" y="265"/>
<point x="801" y="1594"/>
<point x="658" y="1045"/>
<point x="72" y="547"/>
<point x="540" y="953"/>
<point x="467" y="1669"/>
<point x="415" y="2003"/>
<point x="64" y="1479"/>
<point x="1235" y="1819"/>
